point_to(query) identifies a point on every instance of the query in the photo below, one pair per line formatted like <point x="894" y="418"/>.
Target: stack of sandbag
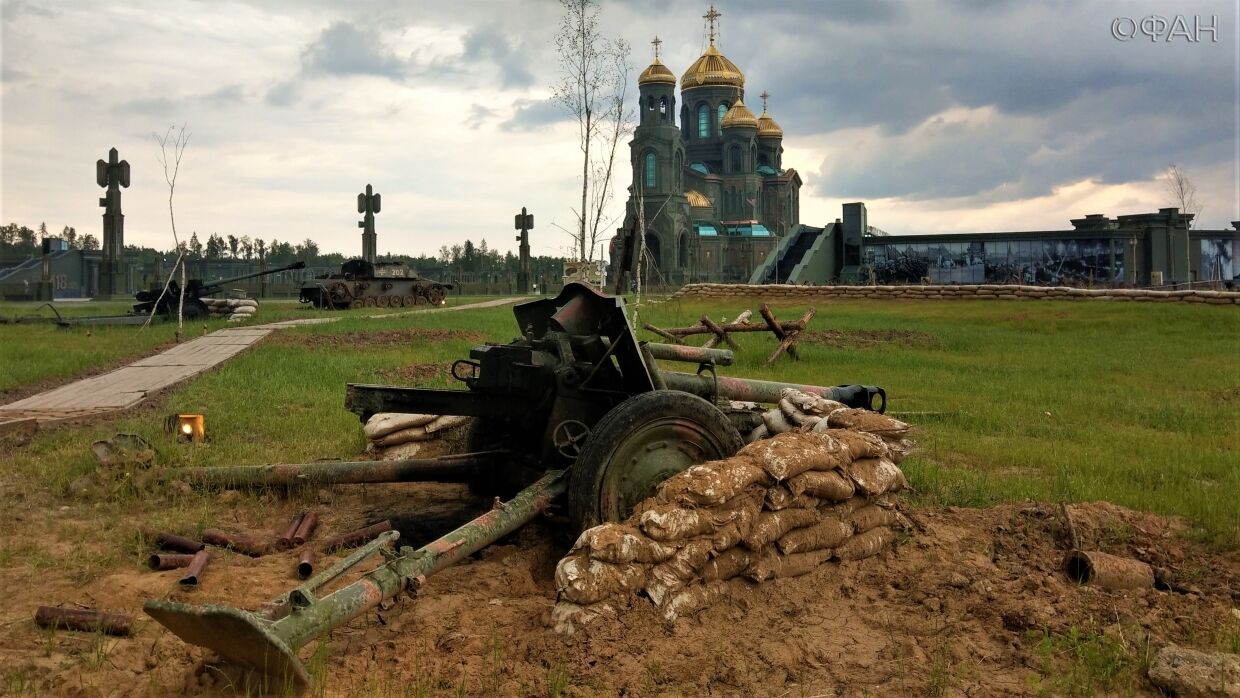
<point x="235" y="309"/>
<point x="781" y="507"/>
<point x="395" y="435"/>
<point x="798" y="411"/>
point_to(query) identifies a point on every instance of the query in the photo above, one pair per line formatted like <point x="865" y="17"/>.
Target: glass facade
<point x="1042" y="262"/>
<point x="1218" y="260"/>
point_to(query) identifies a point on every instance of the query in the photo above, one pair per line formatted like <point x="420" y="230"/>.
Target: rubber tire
<point x="585" y="480"/>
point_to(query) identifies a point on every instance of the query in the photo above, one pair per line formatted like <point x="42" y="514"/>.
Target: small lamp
<point x="191" y="427"/>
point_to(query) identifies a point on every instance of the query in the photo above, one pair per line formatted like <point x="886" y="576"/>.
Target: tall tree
<point x="594" y="78"/>
<point x="90" y="242"/>
<point x="232" y="245"/>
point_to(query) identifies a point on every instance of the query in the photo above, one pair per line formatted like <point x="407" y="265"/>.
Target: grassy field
<point x="1130" y="403"/>
<point x="33" y="354"/>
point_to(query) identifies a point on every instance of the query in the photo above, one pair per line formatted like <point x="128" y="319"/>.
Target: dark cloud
<point x="283" y="93"/>
<point x="347" y="49"/>
<point x="533" y="115"/>
<point x="225" y="96"/>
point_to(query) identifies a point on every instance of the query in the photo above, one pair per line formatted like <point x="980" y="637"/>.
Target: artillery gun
<point x="151" y="303"/>
<point x="574" y="415"/>
<point x="360" y="284"/>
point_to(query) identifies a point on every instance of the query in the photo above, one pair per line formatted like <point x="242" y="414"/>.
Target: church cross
<point x="711" y="16"/>
<point x="764" y="97"/>
<point x="656" y="43"/>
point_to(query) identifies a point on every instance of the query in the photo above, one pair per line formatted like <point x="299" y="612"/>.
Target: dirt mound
<point x="378" y="338"/>
<point x="414" y="374"/>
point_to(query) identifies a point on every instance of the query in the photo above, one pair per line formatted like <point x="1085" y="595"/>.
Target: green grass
<point x="1130" y="403"/>
<point x="1082" y="663"/>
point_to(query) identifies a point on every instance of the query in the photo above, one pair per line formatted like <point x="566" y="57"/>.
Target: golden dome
<point x="713" y="68"/>
<point x="739" y="116"/>
<point x="657" y="73"/>
<point x="767" y="128"/>
<point x="697" y="199"/>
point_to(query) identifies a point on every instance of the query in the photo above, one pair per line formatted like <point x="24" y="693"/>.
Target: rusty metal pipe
<point x="696" y="355"/>
<point x="199" y="565"/>
<point x="353" y="538"/>
<point x="247" y="545"/>
<point x="169" y="561"/>
<point x="305" y="564"/>
<point x="867" y="396"/>
<point x="1107" y="571"/>
<point x="84" y="619"/>
<point x="257" y="642"/>
<point x="181" y="544"/>
<point x="446" y="469"/>
<point x="306" y="528"/>
<point x="285" y="541"/>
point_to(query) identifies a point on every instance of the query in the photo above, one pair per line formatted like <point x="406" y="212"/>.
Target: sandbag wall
<point x="781" y="507"/>
<point x="791" y="292"/>
<point x="395" y="436"/>
<point x="235" y="309"/>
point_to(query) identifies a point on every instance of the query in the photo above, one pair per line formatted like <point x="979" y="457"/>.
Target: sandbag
<point x="676" y="522"/>
<point x="582" y="580"/>
<point x="444" y="422"/>
<point x="784" y="457"/>
<point x="403" y="436"/>
<point x="842" y="510"/>
<point x="858" y="443"/>
<point x="568" y="618"/>
<point x="780" y="497"/>
<point x="385" y="423"/>
<point x="794" y="416"/>
<point x="871" y="516"/>
<point x="247" y="303"/>
<point x="712" y="483"/>
<point x="667" y="577"/>
<point x="245" y="310"/>
<point x="827" y="533"/>
<point x="735" y="531"/>
<point x="759" y="432"/>
<point x="775" y="422"/>
<point x="829" y="485"/>
<point x="621" y="544"/>
<point x="868" y="421"/>
<point x="864" y="545"/>
<point x="774" y="565"/>
<point x="728" y="564"/>
<point x="693" y="599"/>
<point x="773" y="525"/>
<point x="875" y="476"/>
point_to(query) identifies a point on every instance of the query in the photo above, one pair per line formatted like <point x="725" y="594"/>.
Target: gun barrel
<point x="867" y="396"/>
<point x="231" y="279"/>
<point x="457" y="468"/>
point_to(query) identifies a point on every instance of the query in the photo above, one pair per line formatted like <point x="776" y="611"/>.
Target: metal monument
<point x="524" y="223"/>
<point x="368" y="203"/>
<point x="575" y="414"/>
<point x="112" y="174"/>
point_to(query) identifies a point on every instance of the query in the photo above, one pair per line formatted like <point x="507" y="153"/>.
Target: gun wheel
<point x="639" y="444"/>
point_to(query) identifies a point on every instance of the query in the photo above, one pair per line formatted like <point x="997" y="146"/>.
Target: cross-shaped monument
<point x="368" y="203"/>
<point x="113" y="174"/>
<point x="524" y="223"/>
<point x="711" y="17"/>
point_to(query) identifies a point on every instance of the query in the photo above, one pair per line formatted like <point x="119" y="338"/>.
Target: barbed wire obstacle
<point x="785" y="332"/>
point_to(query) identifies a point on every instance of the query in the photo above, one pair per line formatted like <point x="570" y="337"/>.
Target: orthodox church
<point x="711" y="196"/>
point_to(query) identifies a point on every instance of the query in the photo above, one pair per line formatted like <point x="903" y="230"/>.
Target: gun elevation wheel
<point x="639" y="444"/>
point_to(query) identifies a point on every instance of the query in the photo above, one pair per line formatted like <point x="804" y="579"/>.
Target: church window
<point x="650" y="170"/>
<point x="723" y="110"/>
<point x="736" y="159"/>
<point x="703" y="121"/>
<point x="663" y="106"/>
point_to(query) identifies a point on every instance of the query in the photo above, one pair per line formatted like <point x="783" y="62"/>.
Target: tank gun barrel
<point x="231" y="279"/>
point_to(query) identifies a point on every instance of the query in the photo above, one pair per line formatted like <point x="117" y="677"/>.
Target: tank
<point x="360" y="284"/>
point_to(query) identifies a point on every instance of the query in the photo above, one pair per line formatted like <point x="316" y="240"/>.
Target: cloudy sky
<point x="945" y="115"/>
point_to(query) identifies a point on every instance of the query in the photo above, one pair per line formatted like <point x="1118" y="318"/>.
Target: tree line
<point x="451" y="260"/>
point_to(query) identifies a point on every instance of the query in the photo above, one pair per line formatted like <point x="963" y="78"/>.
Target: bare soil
<point x="414" y="374"/>
<point x="964" y="607"/>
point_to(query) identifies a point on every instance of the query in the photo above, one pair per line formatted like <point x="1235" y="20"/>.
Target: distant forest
<point x="19" y="242"/>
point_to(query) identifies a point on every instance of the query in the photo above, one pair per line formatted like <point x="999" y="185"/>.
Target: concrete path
<point x="129" y="385"/>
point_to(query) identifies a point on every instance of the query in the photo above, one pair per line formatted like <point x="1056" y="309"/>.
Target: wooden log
<point x="719" y="332"/>
<point x="663" y="333"/>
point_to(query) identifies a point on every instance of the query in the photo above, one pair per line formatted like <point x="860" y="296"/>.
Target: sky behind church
<point x="943" y="116"/>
